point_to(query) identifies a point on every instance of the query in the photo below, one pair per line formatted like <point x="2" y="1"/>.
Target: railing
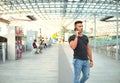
<point x="106" y="47"/>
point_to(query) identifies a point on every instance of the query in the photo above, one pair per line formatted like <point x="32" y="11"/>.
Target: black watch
<point x="91" y="60"/>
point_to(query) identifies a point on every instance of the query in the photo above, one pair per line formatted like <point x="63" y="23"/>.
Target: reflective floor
<point x="33" y="68"/>
<point x="54" y="65"/>
<point x="105" y="70"/>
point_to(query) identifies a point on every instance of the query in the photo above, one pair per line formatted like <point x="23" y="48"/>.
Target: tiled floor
<point x="47" y="68"/>
<point x="105" y="70"/>
<point x="32" y="68"/>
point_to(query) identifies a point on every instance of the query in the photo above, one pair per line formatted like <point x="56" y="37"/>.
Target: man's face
<point x="79" y="27"/>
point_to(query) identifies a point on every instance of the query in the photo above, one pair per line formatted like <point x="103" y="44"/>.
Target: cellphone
<point x="77" y="30"/>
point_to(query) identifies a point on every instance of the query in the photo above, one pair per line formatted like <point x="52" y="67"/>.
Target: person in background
<point x="40" y="46"/>
<point x="34" y="44"/>
<point x="36" y="47"/>
<point x="43" y="43"/>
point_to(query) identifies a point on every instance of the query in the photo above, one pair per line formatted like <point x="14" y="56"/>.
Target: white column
<point x="11" y="43"/>
<point x="85" y="26"/>
<point x="117" y="56"/>
<point x="94" y="32"/>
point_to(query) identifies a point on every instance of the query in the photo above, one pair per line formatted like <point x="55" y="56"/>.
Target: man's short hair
<point x="77" y="22"/>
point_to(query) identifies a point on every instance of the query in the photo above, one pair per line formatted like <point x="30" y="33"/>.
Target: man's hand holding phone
<point x="77" y="33"/>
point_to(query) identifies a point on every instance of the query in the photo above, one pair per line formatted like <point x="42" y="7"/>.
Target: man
<point x="82" y="57"/>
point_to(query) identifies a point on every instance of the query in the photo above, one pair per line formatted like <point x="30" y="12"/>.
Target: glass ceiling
<point x="60" y="12"/>
<point x="61" y="8"/>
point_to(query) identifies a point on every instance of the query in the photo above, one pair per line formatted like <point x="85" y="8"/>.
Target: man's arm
<point x="73" y="43"/>
<point x="90" y="55"/>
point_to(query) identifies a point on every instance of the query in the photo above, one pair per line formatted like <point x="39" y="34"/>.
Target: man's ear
<point x="75" y="29"/>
